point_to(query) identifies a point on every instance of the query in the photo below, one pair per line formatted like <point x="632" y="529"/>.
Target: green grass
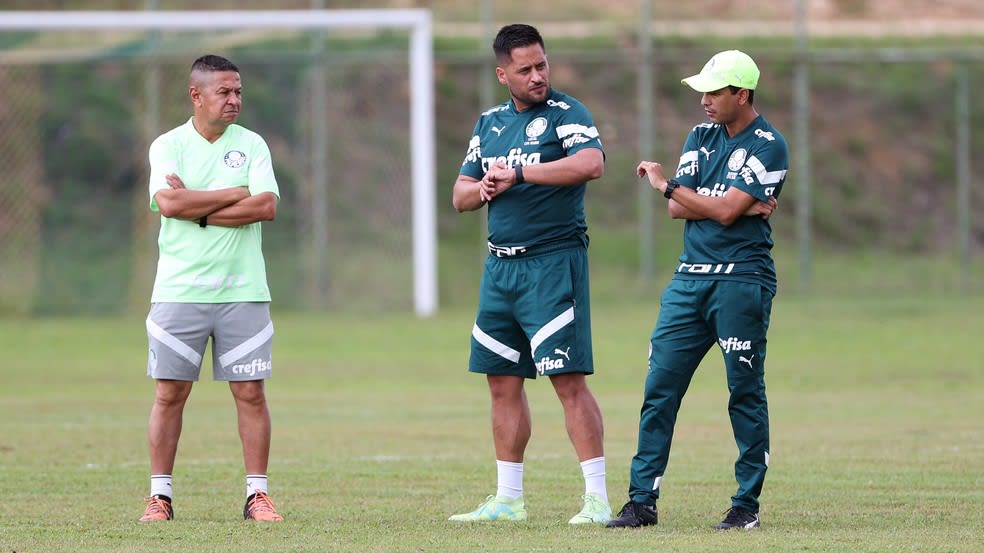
<point x="380" y="434"/>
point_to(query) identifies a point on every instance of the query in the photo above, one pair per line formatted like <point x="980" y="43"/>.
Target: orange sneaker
<point x="158" y="508"/>
<point x="259" y="506"/>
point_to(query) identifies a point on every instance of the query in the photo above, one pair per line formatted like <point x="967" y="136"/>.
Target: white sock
<point x="160" y="484"/>
<point x="510" y="478"/>
<point x="255" y="483"/>
<point x="594" y="477"/>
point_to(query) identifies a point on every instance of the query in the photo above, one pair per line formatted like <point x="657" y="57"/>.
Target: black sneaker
<point x="634" y="515"/>
<point x="738" y="517"/>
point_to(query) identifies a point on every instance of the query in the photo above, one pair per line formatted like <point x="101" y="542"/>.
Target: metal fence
<point x="881" y="140"/>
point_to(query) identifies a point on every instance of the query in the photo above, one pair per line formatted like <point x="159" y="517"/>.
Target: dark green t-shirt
<point x="529" y="214"/>
<point x="754" y="161"/>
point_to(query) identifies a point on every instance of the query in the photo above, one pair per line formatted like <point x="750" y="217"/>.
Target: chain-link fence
<point x="77" y="112"/>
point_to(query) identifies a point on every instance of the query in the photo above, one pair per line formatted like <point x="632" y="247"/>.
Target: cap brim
<point x="703" y="83"/>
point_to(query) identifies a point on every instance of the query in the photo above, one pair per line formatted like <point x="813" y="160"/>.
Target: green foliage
<point x="380" y="434"/>
<point x="879" y="132"/>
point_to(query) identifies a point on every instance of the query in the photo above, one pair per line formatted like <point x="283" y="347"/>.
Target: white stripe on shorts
<point x="551" y="328"/>
<point x="172" y="342"/>
<point x="494" y="345"/>
<point x="249" y="345"/>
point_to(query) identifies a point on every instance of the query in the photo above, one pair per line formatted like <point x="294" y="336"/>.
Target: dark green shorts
<point x="534" y="315"/>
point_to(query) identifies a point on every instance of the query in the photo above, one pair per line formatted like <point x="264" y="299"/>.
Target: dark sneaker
<point x="158" y="508"/>
<point x="634" y="515"/>
<point x="738" y="517"/>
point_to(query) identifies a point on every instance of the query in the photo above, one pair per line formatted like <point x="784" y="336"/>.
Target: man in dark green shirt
<point x="730" y="172"/>
<point x="529" y="159"/>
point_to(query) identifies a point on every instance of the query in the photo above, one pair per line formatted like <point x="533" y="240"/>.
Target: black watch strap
<point x="671" y="185"/>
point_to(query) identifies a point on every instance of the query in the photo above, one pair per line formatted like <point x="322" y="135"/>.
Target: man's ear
<point x="500" y="74"/>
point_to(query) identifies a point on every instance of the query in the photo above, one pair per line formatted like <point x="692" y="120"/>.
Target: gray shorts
<point x="242" y="340"/>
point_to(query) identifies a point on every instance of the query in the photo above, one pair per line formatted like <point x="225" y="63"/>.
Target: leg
<point x="582" y="415"/>
<point x="254" y="424"/>
<point x="585" y="428"/>
<point x="164" y="427"/>
<point x="511" y="421"/>
<point x="511" y="427"/>
<point x="741" y="321"/>
<point x="679" y="341"/>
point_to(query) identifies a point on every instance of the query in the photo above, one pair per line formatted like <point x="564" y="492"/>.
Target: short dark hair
<point x="513" y="36"/>
<point x="751" y="93"/>
<point x="210" y="62"/>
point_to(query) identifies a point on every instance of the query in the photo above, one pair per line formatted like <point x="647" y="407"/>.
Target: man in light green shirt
<point x="212" y="182"/>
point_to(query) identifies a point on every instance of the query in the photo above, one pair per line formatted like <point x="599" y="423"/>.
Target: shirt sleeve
<point x="688" y="168"/>
<point x="261" y="176"/>
<point x="576" y="130"/>
<point x="163" y="162"/>
<point x="764" y="171"/>
<point x="472" y="165"/>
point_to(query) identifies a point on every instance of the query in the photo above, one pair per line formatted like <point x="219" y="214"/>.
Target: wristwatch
<point x="671" y="185"/>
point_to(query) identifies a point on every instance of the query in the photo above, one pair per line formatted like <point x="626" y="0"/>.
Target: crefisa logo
<point x="253" y="367"/>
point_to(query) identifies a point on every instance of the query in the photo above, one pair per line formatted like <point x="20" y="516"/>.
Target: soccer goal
<point x="344" y="98"/>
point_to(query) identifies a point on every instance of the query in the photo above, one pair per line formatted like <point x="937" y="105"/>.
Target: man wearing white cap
<point x="730" y="172"/>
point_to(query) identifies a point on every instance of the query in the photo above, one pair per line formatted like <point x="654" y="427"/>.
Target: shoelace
<point x="261" y="502"/>
<point x="156" y="505"/>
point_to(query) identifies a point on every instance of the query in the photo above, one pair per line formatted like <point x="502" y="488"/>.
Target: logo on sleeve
<point x="765" y="134"/>
<point x="235" y="159"/>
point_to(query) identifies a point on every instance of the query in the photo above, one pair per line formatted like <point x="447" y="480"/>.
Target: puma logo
<point x="563" y="352"/>
<point x="743" y="359"/>
<point x="498" y="130"/>
<point x="707" y="155"/>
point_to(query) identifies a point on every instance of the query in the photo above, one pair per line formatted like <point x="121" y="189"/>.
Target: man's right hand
<point x="763" y="209"/>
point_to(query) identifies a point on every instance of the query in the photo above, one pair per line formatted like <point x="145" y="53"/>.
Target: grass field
<point x="380" y="434"/>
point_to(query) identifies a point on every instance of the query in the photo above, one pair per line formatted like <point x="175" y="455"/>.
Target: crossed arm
<point x="471" y="193"/>
<point x="688" y="204"/>
<point x="229" y="207"/>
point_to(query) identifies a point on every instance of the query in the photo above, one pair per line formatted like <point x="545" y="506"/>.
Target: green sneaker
<point x="596" y="511"/>
<point x="495" y="508"/>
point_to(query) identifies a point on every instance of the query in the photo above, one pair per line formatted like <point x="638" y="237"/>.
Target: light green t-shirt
<point x="214" y="264"/>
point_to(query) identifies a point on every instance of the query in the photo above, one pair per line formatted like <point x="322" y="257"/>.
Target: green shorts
<point x="534" y="315"/>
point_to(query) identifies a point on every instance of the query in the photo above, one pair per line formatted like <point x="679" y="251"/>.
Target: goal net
<point x="344" y="98"/>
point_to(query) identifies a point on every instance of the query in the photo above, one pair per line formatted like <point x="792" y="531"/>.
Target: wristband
<point x="203" y="221"/>
<point x="519" y="173"/>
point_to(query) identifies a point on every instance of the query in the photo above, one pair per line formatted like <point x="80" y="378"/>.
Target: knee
<point x="249" y="393"/>
<point x="571" y="387"/>
<point x="171" y="394"/>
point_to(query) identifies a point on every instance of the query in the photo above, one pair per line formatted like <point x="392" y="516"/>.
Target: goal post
<point x="421" y="95"/>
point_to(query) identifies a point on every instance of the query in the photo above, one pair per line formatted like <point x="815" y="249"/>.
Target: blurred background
<point x="878" y="100"/>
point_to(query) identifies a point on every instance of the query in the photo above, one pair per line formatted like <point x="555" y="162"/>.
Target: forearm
<point x="181" y="203"/>
<point x="467" y="194"/>
<point x="677" y="211"/>
<point x="262" y="207"/>
<point x="694" y="206"/>
<point x="586" y="165"/>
